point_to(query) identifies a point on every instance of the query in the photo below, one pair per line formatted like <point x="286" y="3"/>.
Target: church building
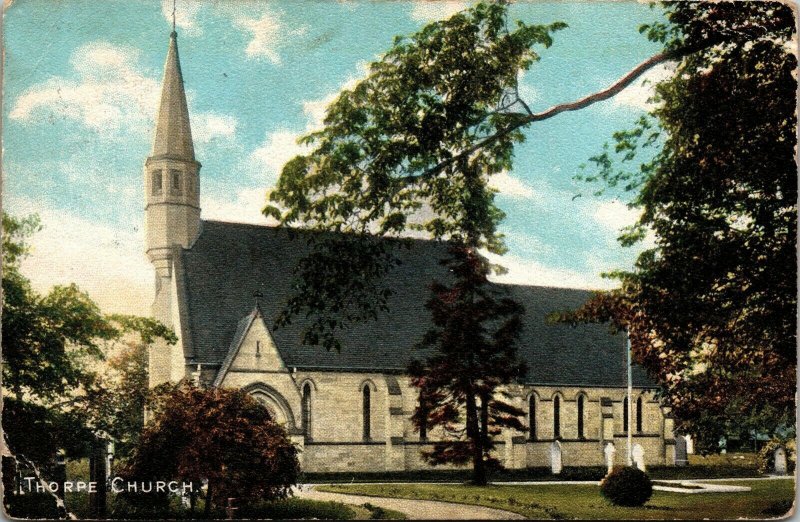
<point x="221" y="285"/>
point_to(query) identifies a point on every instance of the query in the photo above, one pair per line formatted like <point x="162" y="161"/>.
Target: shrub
<point x="295" y="508"/>
<point x="627" y="486"/>
<point x="766" y="457"/>
<point x="31" y="505"/>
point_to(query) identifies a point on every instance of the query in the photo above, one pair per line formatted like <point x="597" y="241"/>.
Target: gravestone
<point x="780" y="461"/>
<point x="609" y="452"/>
<point x="681" y="458"/>
<point x="555" y="457"/>
<point x="638" y="456"/>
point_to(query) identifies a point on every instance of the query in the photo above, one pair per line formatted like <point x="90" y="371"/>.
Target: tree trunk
<point x="207" y="509"/>
<point x="192" y="502"/>
<point x="484" y="423"/>
<point x="474" y="435"/>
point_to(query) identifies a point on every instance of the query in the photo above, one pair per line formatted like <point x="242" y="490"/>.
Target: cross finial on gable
<point x="257" y="295"/>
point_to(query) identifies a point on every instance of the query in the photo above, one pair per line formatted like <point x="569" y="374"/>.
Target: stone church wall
<point x="334" y="440"/>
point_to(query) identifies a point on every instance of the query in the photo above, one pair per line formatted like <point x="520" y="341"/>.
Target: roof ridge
<point x="278" y="228"/>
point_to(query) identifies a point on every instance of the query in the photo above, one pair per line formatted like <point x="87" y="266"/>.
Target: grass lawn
<point x="768" y="498"/>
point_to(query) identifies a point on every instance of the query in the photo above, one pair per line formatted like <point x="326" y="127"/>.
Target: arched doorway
<point x="277" y="405"/>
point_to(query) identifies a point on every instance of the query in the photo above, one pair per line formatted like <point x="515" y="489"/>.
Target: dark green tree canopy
<point x="712" y="308"/>
<point x="52" y="347"/>
<point x="391" y="160"/>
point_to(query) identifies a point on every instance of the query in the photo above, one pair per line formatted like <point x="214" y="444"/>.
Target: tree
<point x="410" y="150"/>
<point x="474" y="340"/>
<point x="120" y="399"/>
<point x="53" y="349"/>
<point x="440" y="90"/>
<point x="221" y="436"/>
<point x="711" y="309"/>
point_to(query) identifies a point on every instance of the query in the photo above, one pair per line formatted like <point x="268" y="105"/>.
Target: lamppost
<point x="629" y="402"/>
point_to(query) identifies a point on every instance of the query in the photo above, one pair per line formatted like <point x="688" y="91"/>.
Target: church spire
<point x="173" y="136"/>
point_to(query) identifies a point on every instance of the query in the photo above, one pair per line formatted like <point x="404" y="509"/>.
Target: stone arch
<point x="581" y="403"/>
<point x="309" y="380"/>
<point x="370" y="383"/>
<point x="308" y="390"/>
<point x="557" y="400"/>
<point x="368" y="392"/>
<point x="639" y="413"/>
<point x="533" y="403"/>
<point x="273" y="401"/>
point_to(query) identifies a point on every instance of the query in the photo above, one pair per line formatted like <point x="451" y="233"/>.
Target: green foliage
<point x="711" y="308"/>
<point x="53" y="349"/>
<point x="31" y="505"/>
<point x="409" y="149"/>
<point x="223" y="436"/>
<point x="476" y="328"/>
<point x="626" y="486"/>
<point x="766" y="456"/>
<point x="582" y="502"/>
<point x="296" y="508"/>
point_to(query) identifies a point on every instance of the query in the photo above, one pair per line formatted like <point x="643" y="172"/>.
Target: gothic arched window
<point x="156" y="183"/>
<point x="366" y="411"/>
<point x="306" y="410"/>
<point x="556" y="417"/>
<point x="639" y="415"/>
<point x="532" y="417"/>
<point x="625" y="415"/>
<point x="175" y="185"/>
<point x="580" y="416"/>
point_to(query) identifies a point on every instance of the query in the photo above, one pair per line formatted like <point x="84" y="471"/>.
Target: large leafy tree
<point x="222" y="436"/>
<point x="388" y="162"/>
<point x="54" y="346"/>
<point x="711" y="309"/>
<point x="410" y="149"/>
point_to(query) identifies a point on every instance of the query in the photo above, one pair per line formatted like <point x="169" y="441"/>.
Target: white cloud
<point x="511" y="186"/>
<point x="278" y="148"/>
<point x="315" y="109"/>
<point x="640" y="91"/>
<point x="267" y="34"/>
<point x="185" y="15"/>
<point x="111" y="96"/>
<point x="245" y="207"/>
<point x="527" y="272"/>
<point x="210" y="126"/>
<point x="107" y="263"/>
<point x="615" y="215"/>
<point x="432" y="10"/>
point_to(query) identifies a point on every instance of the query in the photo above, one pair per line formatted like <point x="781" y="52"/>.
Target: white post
<point x="630" y="400"/>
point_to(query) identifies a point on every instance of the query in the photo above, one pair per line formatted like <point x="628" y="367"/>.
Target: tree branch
<point x="582" y="103"/>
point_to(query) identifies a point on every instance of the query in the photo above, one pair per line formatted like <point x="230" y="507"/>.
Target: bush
<point x="296" y="508"/>
<point x="31" y="505"/>
<point x="766" y="457"/>
<point x="627" y="486"/>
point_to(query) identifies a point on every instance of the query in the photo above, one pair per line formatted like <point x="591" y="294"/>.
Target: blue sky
<point x="82" y="81"/>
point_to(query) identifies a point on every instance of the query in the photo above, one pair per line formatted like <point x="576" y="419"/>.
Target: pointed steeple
<point x="173" y="133"/>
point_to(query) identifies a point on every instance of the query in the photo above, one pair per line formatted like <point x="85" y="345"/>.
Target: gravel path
<point x="414" y="509"/>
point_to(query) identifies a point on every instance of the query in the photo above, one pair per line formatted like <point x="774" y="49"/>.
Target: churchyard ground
<point x="767" y="499"/>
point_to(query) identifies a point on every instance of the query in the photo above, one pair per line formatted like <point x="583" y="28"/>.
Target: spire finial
<point x="257" y="295"/>
<point x="173" y="15"/>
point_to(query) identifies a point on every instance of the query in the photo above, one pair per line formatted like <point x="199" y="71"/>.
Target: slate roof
<point x="230" y="262"/>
